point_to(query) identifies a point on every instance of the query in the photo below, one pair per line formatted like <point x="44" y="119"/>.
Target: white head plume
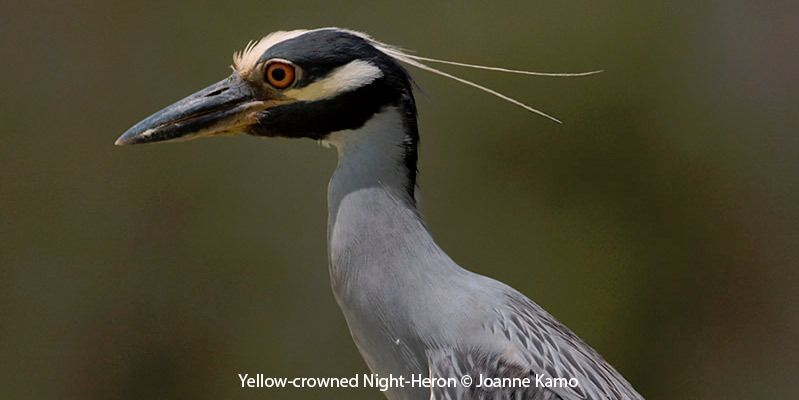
<point x="245" y="61"/>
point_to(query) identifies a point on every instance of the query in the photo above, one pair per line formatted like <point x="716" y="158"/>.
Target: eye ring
<point x="280" y="74"/>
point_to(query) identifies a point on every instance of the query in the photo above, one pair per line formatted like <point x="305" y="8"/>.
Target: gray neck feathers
<point x="371" y="210"/>
<point x="372" y="157"/>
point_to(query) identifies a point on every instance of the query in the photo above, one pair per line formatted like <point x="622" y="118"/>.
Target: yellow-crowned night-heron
<point x="410" y="308"/>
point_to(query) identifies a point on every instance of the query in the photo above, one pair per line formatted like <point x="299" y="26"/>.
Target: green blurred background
<point x="659" y="221"/>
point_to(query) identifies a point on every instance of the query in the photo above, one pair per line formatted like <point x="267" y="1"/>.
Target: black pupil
<point x="278" y="74"/>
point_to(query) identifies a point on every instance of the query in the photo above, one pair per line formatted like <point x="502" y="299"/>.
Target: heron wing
<point x="452" y="363"/>
<point x="538" y="346"/>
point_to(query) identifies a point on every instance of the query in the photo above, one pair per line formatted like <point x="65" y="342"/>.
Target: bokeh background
<point x="659" y="221"/>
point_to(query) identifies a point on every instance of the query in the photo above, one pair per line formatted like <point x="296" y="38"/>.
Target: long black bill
<point x="222" y="108"/>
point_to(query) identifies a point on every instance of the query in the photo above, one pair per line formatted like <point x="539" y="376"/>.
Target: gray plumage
<point x="411" y="309"/>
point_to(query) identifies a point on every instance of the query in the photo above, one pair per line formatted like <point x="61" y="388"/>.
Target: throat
<point x="371" y="207"/>
<point x="381" y="155"/>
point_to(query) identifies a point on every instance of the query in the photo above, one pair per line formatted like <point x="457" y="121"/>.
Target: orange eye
<point x="279" y="74"/>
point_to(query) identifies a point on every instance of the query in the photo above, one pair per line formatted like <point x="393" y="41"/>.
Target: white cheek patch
<point x="343" y="79"/>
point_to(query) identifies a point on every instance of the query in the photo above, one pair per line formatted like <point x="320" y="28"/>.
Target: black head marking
<point x="319" y="53"/>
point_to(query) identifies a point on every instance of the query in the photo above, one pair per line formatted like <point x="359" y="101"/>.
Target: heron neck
<point x="374" y="157"/>
<point x="370" y="206"/>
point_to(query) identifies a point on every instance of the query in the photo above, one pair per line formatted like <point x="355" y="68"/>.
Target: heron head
<point x="291" y="84"/>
